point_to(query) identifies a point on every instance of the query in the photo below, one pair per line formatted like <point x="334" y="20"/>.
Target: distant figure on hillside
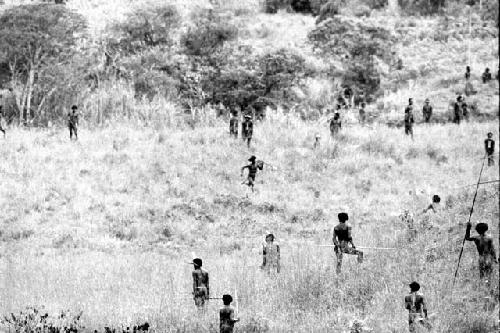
<point x="201" y="287"/>
<point x="486" y="75"/>
<point x="233" y="125"/>
<point x="227" y="316"/>
<point x="2" y="120"/>
<point x="73" y="122"/>
<point x="489" y="147"/>
<point x="362" y="113"/>
<point x="348" y="95"/>
<point x="252" y="171"/>
<point x="417" y="308"/>
<point x="270" y="255"/>
<point x="469" y="88"/>
<point x="427" y="111"/>
<point x="485" y="249"/>
<point x="407" y="219"/>
<point x="342" y="238"/>
<point x="247" y="129"/>
<point x="316" y="141"/>
<point x="335" y="124"/>
<point x="467" y="73"/>
<point x="434" y="206"/>
<point x="457" y="108"/>
<point x="409" y="120"/>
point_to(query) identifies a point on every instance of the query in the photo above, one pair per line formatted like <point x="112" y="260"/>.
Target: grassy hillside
<point x="106" y="225"/>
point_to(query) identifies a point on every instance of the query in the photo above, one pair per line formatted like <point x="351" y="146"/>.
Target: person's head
<point x="467" y="68"/>
<point x="343" y="217"/>
<point x="414" y="286"/>
<point x="197" y="262"/>
<point x="427" y="101"/>
<point x="338" y="107"/>
<point x="252" y="159"/>
<point x="74" y="108"/>
<point x="481" y="228"/>
<point x="269" y="238"/>
<point x="318" y="137"/>
<point x="487" y="70"/>
<point x="490" y="135"/>
<point x="410" y="101"/>
<point x="459" y="98"/>
<point x="436" y="198"/>
<point x="227" y="299"/>
<point x="363" y="105"/>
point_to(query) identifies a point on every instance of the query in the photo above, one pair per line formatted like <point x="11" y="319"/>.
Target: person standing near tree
<point x="73" y="122"/>
<point x="247" y="129"/>
<point x="489" y="147"/>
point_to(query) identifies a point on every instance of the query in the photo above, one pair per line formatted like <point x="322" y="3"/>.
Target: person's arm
<point x="242" y="169"/>
<point x="486" y="146"/>
<point x="278" y="257"/>
<point x="467" y="232"/>
<point x="334" y="239"/>
<point x="194" y="283"/>
<point x="232" y="318"/>
<point x="424" y="306"/>
<point x="492" y="250"/>
<point x="208" y="286"/>
<point x="407" y="304"/>
<point x="263" y="256"/>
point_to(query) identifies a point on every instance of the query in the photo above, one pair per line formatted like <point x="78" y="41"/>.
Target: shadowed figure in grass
<point x="247" y="129"/>
<point x="489" y="147"/>
<point x="427" y="111"/>
<point x="434" y="206"/>
<point x="417" y="308"/>
<point x="252" y="171"/>
<point x="73" y="122"/>
<point x="270" y="255"/>
<point x="409" y="120"/>
<point x="201" y="287"/>
<point x="485" y="249"/>
<point x="335" y="124"/>
<point x="226" y="315"/>
<point x="342" y="238"/>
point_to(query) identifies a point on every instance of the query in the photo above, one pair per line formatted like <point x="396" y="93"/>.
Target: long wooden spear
<point x="470" y="216"/>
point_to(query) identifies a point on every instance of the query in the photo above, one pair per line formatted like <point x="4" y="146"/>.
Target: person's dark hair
<point x="198" y="262"/>
<point x="270" y="236"/>
<point x="414" y="286"/>
<point x="74" y="107"/>
<point x="481" y="228"/>
<point x="436" y="198"/>
<point x="343" y="217"/>
<point x="489" y="133"/>
<point x="227" y="299"/>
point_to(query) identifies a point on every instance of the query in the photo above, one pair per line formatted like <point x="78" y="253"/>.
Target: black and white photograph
<point x="249" y="166"/>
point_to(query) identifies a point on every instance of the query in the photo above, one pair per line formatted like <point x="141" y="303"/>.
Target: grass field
<point x="106" y="224"/>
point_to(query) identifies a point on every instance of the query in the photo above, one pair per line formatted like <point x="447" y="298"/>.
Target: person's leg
<point x="339" y="255"/>
<point x="70" y="132"/>
<point x="75" y="130"/>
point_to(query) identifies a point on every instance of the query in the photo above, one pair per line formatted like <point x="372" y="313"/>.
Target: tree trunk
<point x="30" y="83"/>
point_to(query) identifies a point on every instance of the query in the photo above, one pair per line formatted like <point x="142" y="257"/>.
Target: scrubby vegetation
<point x="104" y="226"/>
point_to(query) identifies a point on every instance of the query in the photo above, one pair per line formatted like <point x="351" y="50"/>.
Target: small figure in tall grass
<point x="335" y="124"/>
<point x="407" y="218"/>
<point x="73" y="122"/>
<point x="409" y="120"/>
<point x="427" y="111"/>
<point x="233" y="125"/>
<point x="417" y="308"/>
<point x="467" y="73"/>
<point x="247" y="129"/>
<point x="2" y="120"/>
<point x="270" y="255"/>
<point x="201" y="287"/>
<point x="317" y="139"/>
<point x="434" y="206"/>
<point x="227" y="316"/>
<point x="362" y="113"/>
<point x="485" y="249"/>
<point x="489" y="147"/>
<point x="457" y="108"/>
<point x="342" y="238"/>
<point x="252" y="171"/>
<point x="486" y="75"/>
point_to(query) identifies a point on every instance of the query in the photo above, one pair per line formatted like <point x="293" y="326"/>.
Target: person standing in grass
<point x="485" y="249"/>
<point x="252" y="171"/>
<point x="342" y="238"/>
<point x="2" y="121"/>
<point x="427" y="111"/>
<point x="362" y="113"/>
<point x="489" y="147"/>
<point x="409" y="120"/>
<point x="335" y="124"/>
<point x="417" y="308"/>
<point x="227" y="315"/>
<point x="486" y="75"/>
<point x="233" y="125"/>
<point x="270" y="255"/>
<point x="73" y="122"/>
<point x="457" y="107"/>
<point x="201" y="287"/>
<point x="247" y="129"/>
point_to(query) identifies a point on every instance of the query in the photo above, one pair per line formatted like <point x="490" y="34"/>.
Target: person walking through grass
<point x="485" y="249"/>
<point x="342" y="238"/>
<point x="270" y="255"/>
<point x="434" y="205"/>
<point x="252" y="171"/>
<point x="227" y="315"/>
<point x="409" y="120"/>
<point x="247" y="129"/>
<point x="73" y="122"/>
<point x="427" y="111"/>
<point x="489" y="147"/>
<point x="417" y="308"/>
<point x="201" y="287"/>
<point x="457" y="108"/>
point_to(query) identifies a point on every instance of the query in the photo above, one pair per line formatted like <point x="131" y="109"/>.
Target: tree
<point x="33" y="37"/>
